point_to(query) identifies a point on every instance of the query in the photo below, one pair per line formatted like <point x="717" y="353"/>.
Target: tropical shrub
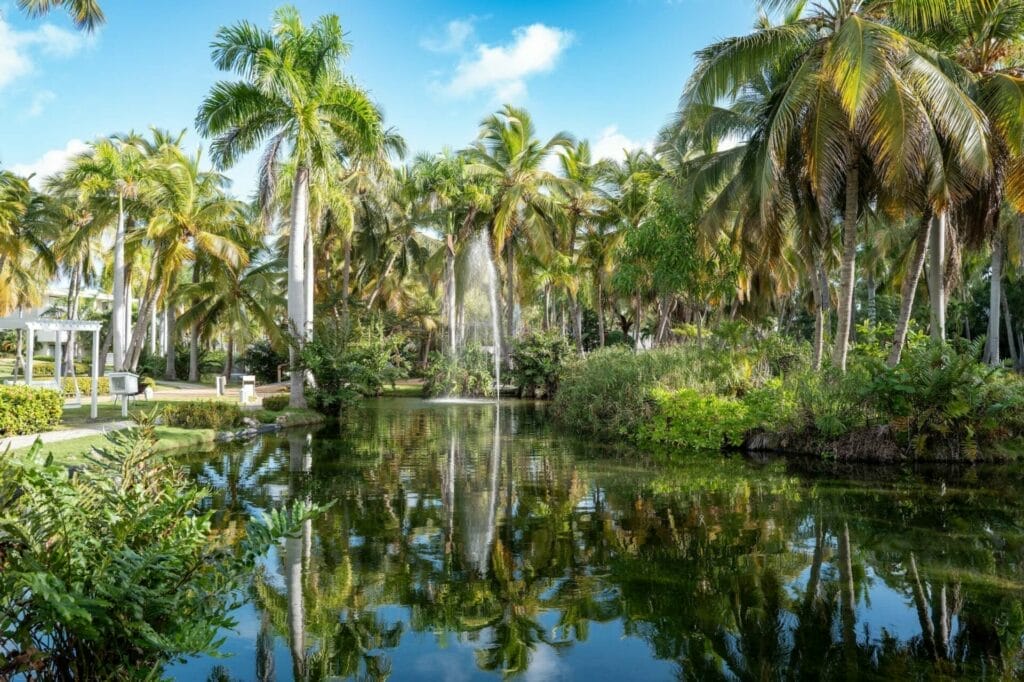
<point x="204" y="414"/>
<point x="262" y="359"/>
<point x="25" y="409"/>
<point x="537" y="361"/>
<point x="350" y="359"/>
<point x="470" y="375"/>
<point x="114" y="570"/>
<point x="44" y="369"/>
<point x="275" y="403"/>
<point x="85" y="386"/>
<point x="693" y="419"/>
<point x="608" y="392"/>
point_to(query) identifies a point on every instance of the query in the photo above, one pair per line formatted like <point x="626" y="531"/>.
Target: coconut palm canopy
<point x="818" y="166"/>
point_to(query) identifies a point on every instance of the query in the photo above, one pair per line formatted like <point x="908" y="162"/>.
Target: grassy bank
<point x="168" y="438"/>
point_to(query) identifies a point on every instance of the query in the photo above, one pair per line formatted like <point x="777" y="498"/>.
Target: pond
<point x="468" y="541"/>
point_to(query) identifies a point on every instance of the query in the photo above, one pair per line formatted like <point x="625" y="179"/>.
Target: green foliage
<point x="470" y="375"/>
<point x="45" y="369"/>
<point x="85" y="386"/>
<point x="275" y="403"/>
<point x="607" y="393"/>
<point x="203" y="414"/>
<point x="350" y="359"/>
<point x="262" y="360"/>
<point x="538" y="359"/>
<point x="691" y="419"/>
<point x="25" y="410"/>
<point x="115" y="570"/>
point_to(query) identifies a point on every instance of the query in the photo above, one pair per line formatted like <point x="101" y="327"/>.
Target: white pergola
<point x="31" y="325"/>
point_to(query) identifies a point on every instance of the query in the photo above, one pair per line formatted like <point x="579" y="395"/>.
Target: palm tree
<point x="191" y="215"/>
<point x="293" y="96"/>
<point x="85" y="13"/>
<point x="112" y="171"/>
<point x="26" y="259"/>
<point x="867" y="104"/>
<point x="508" y="155"/>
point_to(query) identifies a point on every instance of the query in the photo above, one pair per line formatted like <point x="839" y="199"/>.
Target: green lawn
<point x="168" y="438"/>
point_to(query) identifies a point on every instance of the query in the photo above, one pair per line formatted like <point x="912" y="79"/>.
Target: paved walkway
<point x="18" y="442"/>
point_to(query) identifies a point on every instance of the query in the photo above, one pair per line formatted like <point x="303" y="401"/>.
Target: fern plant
<point x="110" y="570"/>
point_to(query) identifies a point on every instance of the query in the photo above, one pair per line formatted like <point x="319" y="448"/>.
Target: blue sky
<point x="610" y="71"/>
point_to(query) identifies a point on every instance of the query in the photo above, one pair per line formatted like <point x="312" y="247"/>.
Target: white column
<point x="31" y="352"/>
<point x="95" y="373"/>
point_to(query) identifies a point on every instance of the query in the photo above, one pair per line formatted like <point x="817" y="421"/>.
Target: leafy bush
<point x="262" y="360"/>
<point x="25" y="410"/>
<point x="115" y="570"/>
<point x="349" y="359"/>
<point x="204" y="414"/>
<point x="538" y="360"/>
<point x="691" y="419"/>
<point x="607" y="394"/>
<point x="85" y="386"/>
<point x="470" y="375"/>
<point x="44" y="369"/>
<point x="275" y="403"/>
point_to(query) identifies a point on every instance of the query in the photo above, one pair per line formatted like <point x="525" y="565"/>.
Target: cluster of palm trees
<point x="834" y="154"/>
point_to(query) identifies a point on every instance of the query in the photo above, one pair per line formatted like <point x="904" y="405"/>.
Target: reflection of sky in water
<point x="647" y="543"/>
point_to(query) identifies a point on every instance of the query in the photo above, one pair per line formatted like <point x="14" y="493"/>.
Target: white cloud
<point x="50" y="162"/>
<point x="612" y="144"/>
<point x="19" y="49"/>
<point x="503" y="69"/>
<point x="39" y="101"/>
<point x="456" y="33"/>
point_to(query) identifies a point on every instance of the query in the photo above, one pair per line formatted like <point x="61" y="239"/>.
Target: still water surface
<point x="468" y="542"/>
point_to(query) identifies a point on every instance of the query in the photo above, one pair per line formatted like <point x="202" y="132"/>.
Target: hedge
<point x="203" y="414"/>
<point x="275" y="403"/>
<point x="85" y="386"/>
<point x="25" y="410"/>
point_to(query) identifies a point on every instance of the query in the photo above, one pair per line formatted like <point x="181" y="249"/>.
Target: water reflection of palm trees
<point x="447" y="524"/>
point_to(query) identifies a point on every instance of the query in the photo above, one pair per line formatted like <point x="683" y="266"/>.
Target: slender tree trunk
<point x="74" y="287"/>
<point x="297" y="283"/>
<point x="600" y="313"/>
<point x="229" y="358"/>
<point x="872" y="304"/>
<point x="449" y="286"/>
<point x="1011" y="338"/>
<point x="577" y="322"/>
<point x="170" y="369"/>
<point x="909" y="289"/>
<point x="193" y="353"/>
<point x="818" y="341"/>
<point x="510" y="300"/>
<point x="547" y="307"/>
<point x="379" y="286"/>
<point x="118" y="314"/>
<point x="147" y="304"/>
<point x="936" y="275"/>
<point x="636" y="339"/>
<point x="346" y="271"/>
<point x="995" y="299"/>
<point x="310" y="281"/>
<point x="847" y="272"/>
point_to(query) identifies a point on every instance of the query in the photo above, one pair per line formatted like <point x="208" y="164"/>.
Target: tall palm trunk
<point x="995" y="299"/>
<point x="118" y="314"/>
<point x="310" y="280"/>
<point x="346" y="270"/>
<point x="818" y="342"/>
<point x="936" y="276"/>
<point x="872" y="304"/>
<point x="636" y="339"/>
<point x="170" y="370"/>
<point x="577" y="321"/>
<point x="449" y="291"/>
<point x="846" y="278"/>
<point x="193" y="353"/>
<point x="1011" y="338"/>
<point x="74" y="287"/>
<point x="379" y="286"/>
<point x="146" y="307"/>
<point x="297" y="283"/>
<point x="510" y="300"/>
<point x="229" y="358"/>
<point x="909" y="289"/>
<point x="600" y="312"/>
